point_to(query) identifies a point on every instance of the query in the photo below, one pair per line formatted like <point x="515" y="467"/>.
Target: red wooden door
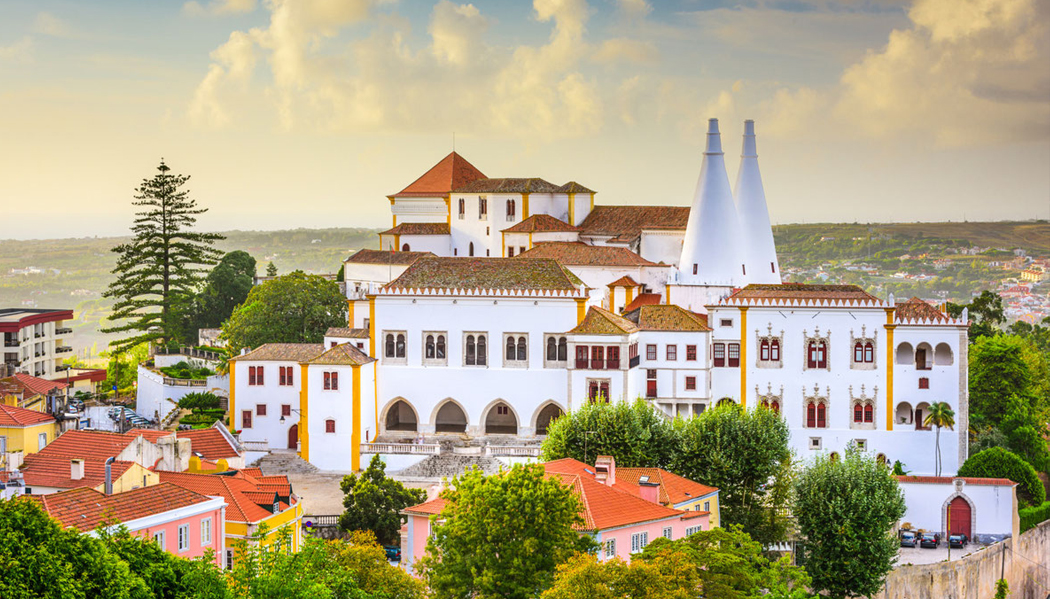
<point x="293" y="437"/>
<point x="960" y="516"/>
<point x="650" y="388"/>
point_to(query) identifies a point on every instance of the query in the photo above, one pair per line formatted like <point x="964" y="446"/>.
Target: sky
<point x="308" y="113"/>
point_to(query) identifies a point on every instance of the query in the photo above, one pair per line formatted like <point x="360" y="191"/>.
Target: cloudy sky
<point x="307" y="113"/>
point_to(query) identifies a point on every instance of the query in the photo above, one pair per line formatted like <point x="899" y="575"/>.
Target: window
<point x="869" y="352"/>
<point x="775" y="406"/>
<point x="694" y="268"/>
<point x="774" y="350"/>
<point x="521" y="249"/>
<point x="246" y="419"/>
<point x="286" y="410"/>
<point x="718" y="352"/>
<point x="763" y="352"/>
<point x="470" y="249"/>
<point x="229" y="559"/>
<point x="260" y="409"/>
<point x="650" y="383"/>
<point x="405" y="247"/>
<point x="869" y="413"/>
<point x="41" y="441"/>
<point x="769" y="351"/>
<point x="817" y="354"/>
<point x="598" y="390"/>
<point x="184" y="537"/>
<point x="255" y="376"/>
<point x="690" y="383"/>
<point x="822" y="414"/>
<point x="924" y="383"/>
<point x="434" y="348"/>
<point x="725" y="322"/>
<point x="862" y="444"/>
<point x="632" y="353"/>
<point x="329" y="426"/>
<point x="394" y="346"/>
<point x="597" y="357"/>
<point x="734" y="355"/>
<point x="858" y="413"/>
<point x="672" y="353"/>
<point x="690" y="353"/>
<point x="483" y="209"/>
<point x="206" y="531"/>
<point x="510" y="251"/>
<point x="816" y="414"/>
<point x="158" y="538"/>
<point x="557" y="349"/>
<point x="476" y="353"/>
<point x="582" y="353"/>
<point x="286" y="378"/>
<point x="462" y="208"/>
<point x="612" y="357"/>
<point x="331" y="381"/>
<point x="511" y="209"/>
<point x="517" y="349"/>
<point x="814" y="443"/>
<point x="863" y="352"/>
<point x="667" y="532"/>
<point x="650" y="352"/>
<point x="638" y="541"/>
<point x="610" y="548"/>
<point x="502" y="410"/>
<point x="707" y="506"/>
<point x="692" y="530"/>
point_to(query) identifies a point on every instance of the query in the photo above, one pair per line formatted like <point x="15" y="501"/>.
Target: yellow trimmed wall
<point x="304" y="402"/>
<point x="26" y="438"/>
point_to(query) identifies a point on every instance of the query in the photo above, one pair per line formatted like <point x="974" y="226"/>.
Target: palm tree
<point x="940" y="414"/>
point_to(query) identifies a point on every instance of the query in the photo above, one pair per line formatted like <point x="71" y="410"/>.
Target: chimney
<point x="76" y="469"/>
<point x="760" y="251"/>
<point x="648" y="490"/>
<point x="109" y="475"/>
<point x="712" y="252"/>
<point x="605" y="470"/>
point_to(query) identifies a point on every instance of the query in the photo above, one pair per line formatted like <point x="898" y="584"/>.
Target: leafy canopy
<point x="294" y="308"/>
<point x="633" y="433"/>
<point x="845" y="509"/>
<point x="374" y="502"/>
<point x="1000" y="463"/>
<point x="225" y="288"/>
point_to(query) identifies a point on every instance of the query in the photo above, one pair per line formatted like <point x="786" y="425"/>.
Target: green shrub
<point x="1033" y="516"/>
<point x="999" y="463"/>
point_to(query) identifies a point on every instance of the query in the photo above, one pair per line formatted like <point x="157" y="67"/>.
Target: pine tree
<point x="271" y="270"/>
<point x="160" y="268"/>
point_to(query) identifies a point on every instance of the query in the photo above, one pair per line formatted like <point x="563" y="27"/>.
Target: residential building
<point x="36" y="340"/>
<point x="34" y="393"/>
<point x="25" y="432"/>
<point x="983" y="509"/>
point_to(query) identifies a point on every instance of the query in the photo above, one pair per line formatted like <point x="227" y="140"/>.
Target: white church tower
<point x="712" y="253"/>
<point x="760" y="252"/>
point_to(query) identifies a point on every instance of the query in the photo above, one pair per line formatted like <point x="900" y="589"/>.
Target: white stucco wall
<point x="331" y="451"/>
<point x="266" y="428"/>
<point x="994" y="507"/>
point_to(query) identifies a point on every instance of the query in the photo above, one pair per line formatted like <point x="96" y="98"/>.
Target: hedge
<point x="996" y="462"/>
<point x="1033" y="516"/>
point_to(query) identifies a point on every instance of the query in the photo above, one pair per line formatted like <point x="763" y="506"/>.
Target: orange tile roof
<point x="282" y="352"/>
<point x="84" y="509"/>
<point x="21" y="417"/>
<point x="673" y="488"/>
<point x="434" y="506"/>
<point x="97" y="445"/>
<point x="151" y="435"/>
<point x="624" y="281"/>
<point x="945" y="480"/>
<point x="240" y="507"/>
<point x="40" y="470"/>
<point x="574" y="187"/>
<point x="20" y="383"/>
<point x="507" y="185"/>
<point x="625" y="223"/>
<point x="541" y="223"/>
<point x="916" y="309"/>
<point x="452" y="172"/>
<point x="343" y="354"/>
<point x="487" y="274"/>
<point x="210" y="443"/>
<point x="600" y="321"/>
<point x="385" y="257"/>
<point x="418" y="229"/>
<point x="851" y="294"/>
<point x="346" y="333"/>
<point x="576" y="253"/>
<point x="667" y="317"/>
<point x="643" y="299"/>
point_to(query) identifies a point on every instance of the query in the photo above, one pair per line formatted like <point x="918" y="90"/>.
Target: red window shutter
<point x="811" y="358"/>
<point x="869" y="413"/>
<point x="811" y="415"/>
<point x="822" y="416"/>
<point x="763" y="354"/>
<point x="327" y="380"/>
<point x="251" y="375"/>
<point x="719" y="354"/>
<point x="650" y="352"/>
<point x="672" y="353"/>
<point x="858" y="413"/>
<point x="690" y="353"/>
<point x="775" y="406"/>
<point x="329" y="426"/>
<point x="734" y="355"/>
<point x="335" y="381"/>
<point x="869" y="352"/>
<point x="259" y="375"/>
<point x="858" y="352"/>
<point x="690" y="383"/>
<point x="246" y="419"/>
<point x="286" y="410"/>
<point x="260" y="409"/>
<point x="774" y="351"/>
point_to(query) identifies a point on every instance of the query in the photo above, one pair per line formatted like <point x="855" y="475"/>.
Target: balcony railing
<point x="63" y="331"/>
<point x="517" y="451"/>
<point x="63" y="349"/>
<point x="11" y="343"/>
<point x="185" y="382"/>
<point x="635" y="361"/>
<point x="582" y="363"/>
<point x="401" y="448"/>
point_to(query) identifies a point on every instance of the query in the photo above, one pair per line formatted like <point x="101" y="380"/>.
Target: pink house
<point x="623" y="516"/>
<point x="182" y="522"/>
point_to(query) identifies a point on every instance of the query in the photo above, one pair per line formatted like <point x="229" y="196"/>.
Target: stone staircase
<point x="446" y="465"/>
<point x="279" y="462"/>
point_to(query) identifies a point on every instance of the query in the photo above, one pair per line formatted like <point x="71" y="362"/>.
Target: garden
<point x="205" y="410"/>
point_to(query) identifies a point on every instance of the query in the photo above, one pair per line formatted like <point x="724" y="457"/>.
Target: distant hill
<point x="1032" y="236"/>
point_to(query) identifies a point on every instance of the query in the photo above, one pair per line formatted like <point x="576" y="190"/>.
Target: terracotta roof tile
<point x="151" y="435"/>
<point x="600" y="321"/>
<point x="452" y="172"/>
<point x="346" y="333"/>
<point x="434" y="506"/>
<point x="624" y="281"/>
<point x="282" y="352"/>
<point x="505" y="185"/>
<point x="97" y="445"/>
<point x="13" y="416"/>
<point x="574" y="187"/>
<point x="210" y="443"/>
<point x="240" y="508"/>
<point x="667" y="317"/>
<point x="575" y="253"/>
<point x="541" y="223"/>
<point x="946" y="480"/>
<point x="486" y="273"/>
<point x="643" y="299"/>
<point x="21" y="383"/>
<point x="41" y="470"/>
<point x="673" y="488"/>
<point x="84" y="509"/>
<point x="343" y="354"/>
<point x="916" y="309"/>
<point x="803" y="292"/>
<point x="385" y="257"/>
<point x="625" y="223"/>
<point x="418" y="229"/>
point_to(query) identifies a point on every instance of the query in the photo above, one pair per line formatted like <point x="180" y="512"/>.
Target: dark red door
<point x="293" y="437"/>
<point x="959" y="517"/>
<point x="650" y="388"/>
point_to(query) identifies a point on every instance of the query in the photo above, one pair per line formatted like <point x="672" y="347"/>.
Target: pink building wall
<point x="170" y="527"/>
<point x="418" y="532"/>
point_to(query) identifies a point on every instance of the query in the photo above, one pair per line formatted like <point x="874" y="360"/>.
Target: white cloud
<point x="48" y="24"/>
<point x="456" y="30"/>
<point x="217" y="8"/>
<point x="626" y="50"/>
<point x="635" y="8"/>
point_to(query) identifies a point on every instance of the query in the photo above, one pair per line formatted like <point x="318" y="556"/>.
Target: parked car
<point x="930" y="540"/>
<point x="908" y="539"/>
<point x="393" y="553"/>
<point x="957" y="541"/>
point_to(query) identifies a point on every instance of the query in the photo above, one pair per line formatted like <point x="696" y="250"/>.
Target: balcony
<point x="11" y="343"/>
<point x="63" y="349"/>
<point x="635" y="361"/>
<point x="582" y="363"/>
<point x="63" y="331"/>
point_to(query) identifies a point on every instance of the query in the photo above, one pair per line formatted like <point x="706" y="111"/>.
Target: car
<point x="957" y="541"/>
<point x="908" y="539"/>
<point x="393" y="553"/>
<point x="930" y="540"/>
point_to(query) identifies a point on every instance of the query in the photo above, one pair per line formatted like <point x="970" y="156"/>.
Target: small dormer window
<point x="276" y="507"/>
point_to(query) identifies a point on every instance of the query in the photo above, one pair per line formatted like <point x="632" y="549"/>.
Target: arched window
<point x="834" y="456"/>
<point x="399" y="350"/>
<point x="462" y="207"/>
<point x="430" y="347"/>
<point x="858" y="352"/>
<point x="858" y="413"/>
<point x="404" y="247"/>
<point x="522" y="354"/>
<point x="869" y="352"/>
<point x="822" y="354"/>
<point x="563" y="349"/>
<point x="470" y="249"/>
<point x="822" y="416"/>
<point x="482" y="351"/>
<point x="552" y="349"/>
<point x="775" y="405"/>
<point x="441" y="347"/>
<point x="811" y="415"/>
<point x="765" y="403"/>
<point x="774" y="350"/>
<point x="389" y="351"/>
<point x="811" y="354"/>
<point x="763" y="353"/>
<point x="471" y="351"/>
<point x="881" y="459"/>
<point x="869" y="413"/>
<point x="510" y="348"/>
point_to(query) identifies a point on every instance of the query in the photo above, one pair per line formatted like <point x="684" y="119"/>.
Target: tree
<point x="374" y="502"/>
<point x="940" y="414"/>
<point x="294" y="308"/>
<point x="1000" y="463"/>
<point x="502" y="535"/>
<point x="1002" y="589"/>
<point x="1001" y="367"/>
<point x="200" y="400"/>
<point x="740" y="452"/>
<point x="159" y="269"/>
<point x="225" y="288"/>
<point x="271" y="270"/>
<point x="632" y="432"/>
<point x="845" y="509"/>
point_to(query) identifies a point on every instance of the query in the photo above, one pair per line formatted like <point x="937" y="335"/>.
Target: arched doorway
<point x="501" y="420"/>
<point x="546" y="416"/>
<point x="401" y="417"/>
<point x="960" y="516"/>
<point x="450" y="419"/>
<point x="293" y="437"/>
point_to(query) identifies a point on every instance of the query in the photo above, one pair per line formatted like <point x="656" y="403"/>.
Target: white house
<point x="983" y="509"/>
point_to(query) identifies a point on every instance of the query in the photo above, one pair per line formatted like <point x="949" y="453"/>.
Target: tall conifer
<point x="161" y="267"/>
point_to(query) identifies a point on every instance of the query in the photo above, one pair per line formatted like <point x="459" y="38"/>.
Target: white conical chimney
<point x="760" y="252"/>
<point x="711" y="252"/>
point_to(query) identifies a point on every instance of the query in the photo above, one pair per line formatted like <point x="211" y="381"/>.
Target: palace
<point x="494" y="305"/>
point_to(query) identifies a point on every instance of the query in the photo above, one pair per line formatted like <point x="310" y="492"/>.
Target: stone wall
<point x="973" y="577"/>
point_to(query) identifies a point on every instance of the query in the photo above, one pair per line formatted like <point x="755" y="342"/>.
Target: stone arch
<point x="905" y="353"/>
<point x="545" y="414"/>
<point x="923" y="356"/>
<point x="944" y="510"/>
<point x="904" y="413"/>
<point x="942" y="355"/>
<point x="921" y="410"/>
<point x="494" y="423"/>
<point x="450" y="417"/>
<point x="724" y="401"/>
<point x="400" y="415"/>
